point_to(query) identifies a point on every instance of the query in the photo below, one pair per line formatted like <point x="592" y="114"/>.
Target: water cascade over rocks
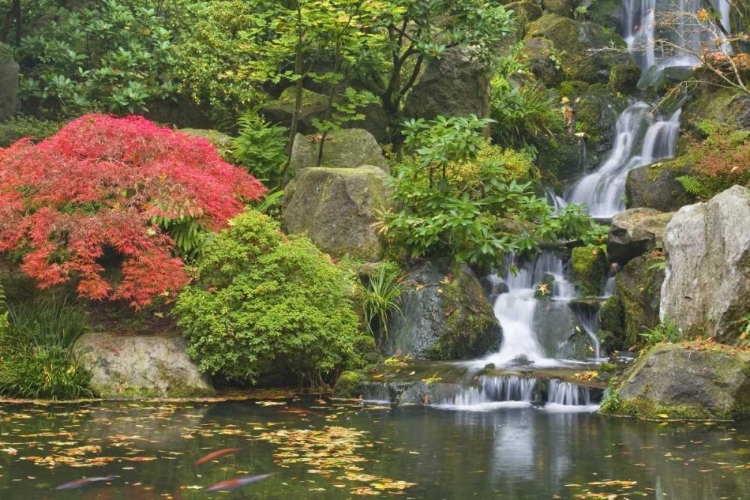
<point x="641" y="138"/>
<point x="536" y="330"/>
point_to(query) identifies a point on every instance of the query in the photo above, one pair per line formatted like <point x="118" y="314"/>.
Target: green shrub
<point x="476" y="222"/>
<point x="113" y="55"/>
<point x="36" y="358"/>
<point x="19" y="126"/>
<point x="268" y="303"/>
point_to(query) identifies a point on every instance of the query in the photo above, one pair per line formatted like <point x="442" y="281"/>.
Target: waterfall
<point x="603" y="190"/>
<point x="646" y="22"/>
<point x="566" y="396"/>
<point x="530" y="337"/>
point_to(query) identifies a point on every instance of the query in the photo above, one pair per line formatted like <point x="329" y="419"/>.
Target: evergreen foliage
<point x="265" y="303"/>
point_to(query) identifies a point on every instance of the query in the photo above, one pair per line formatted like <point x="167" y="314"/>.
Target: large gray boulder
<point x="141" y="366"/>
<point x="9" y="74"/>
<point x="445" y="315"/>
<point x="687" y="381"/>
<point x="634" y="232"/>
<point x="706" y="290"/>
<point x="656" y="186"/>
<point x="336" y="208"/>
<point x="348" y="148"/>
<point x="457" y="84"/>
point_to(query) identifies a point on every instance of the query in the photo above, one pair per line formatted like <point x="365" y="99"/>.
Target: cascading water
<point x="603" y="190"/>
<point x="645" y="22"/>
<point x="530" y="337"/>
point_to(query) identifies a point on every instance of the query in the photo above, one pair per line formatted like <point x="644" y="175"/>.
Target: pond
<point x="321" y="449"/>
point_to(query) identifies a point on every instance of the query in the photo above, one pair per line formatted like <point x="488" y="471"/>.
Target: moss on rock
<point x="623" y="78"/>
<point x="686" y="381"/>
<point x="349" y="385"/>
<point x="611" y="322"/>
<point x="655" y="186"/>
<point x="589" y="266"/>
<point x="639" y="288"/>
<point x="573" y="41"/>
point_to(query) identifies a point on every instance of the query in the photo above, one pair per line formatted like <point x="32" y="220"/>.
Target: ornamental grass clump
<point x="111" y="194"/>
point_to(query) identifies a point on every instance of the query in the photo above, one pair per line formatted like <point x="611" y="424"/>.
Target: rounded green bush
<point x="266" y="303"/>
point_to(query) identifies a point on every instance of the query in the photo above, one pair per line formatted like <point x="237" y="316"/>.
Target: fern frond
<point x="691" y="185"/>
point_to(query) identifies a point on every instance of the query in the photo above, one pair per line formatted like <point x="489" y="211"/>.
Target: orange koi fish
<point x="83" y="482"/>
<point x="217" y="454"/>
<point x="233" y="484"/>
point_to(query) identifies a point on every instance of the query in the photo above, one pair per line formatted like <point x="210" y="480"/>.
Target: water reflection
<point x="509" y="453"/>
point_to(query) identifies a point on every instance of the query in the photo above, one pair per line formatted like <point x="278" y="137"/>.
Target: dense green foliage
<point x="36" y="360"/>
<point x="113" y="56"/>
<point x="261" y="148"/>
<point x="266" y="303"/>
<point x="19" y="126"/>
<point x="476" y="222"/>
<point x="523" y="112"/>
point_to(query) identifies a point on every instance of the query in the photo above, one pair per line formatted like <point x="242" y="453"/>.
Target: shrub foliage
<point x="268" y="303"/>
<point x="105" y="189"/>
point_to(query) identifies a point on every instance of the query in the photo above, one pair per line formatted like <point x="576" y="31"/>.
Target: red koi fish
<point x="85" y="481"/>
<point x="216" y="454"/>
<point x="233" y="484"/>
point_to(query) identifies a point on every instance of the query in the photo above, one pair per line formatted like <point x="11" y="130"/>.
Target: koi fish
<point x="299" y="411"/>
<point x="85" y="481"/>
<point x="216" y="454"/>
<point x="233" y="484"/>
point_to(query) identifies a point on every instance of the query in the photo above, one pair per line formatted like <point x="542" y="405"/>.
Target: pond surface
<point x="323" y="450"/>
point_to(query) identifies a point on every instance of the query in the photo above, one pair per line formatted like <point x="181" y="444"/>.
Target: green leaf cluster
<point x="666" y="331"/>
<point x="476" y="222"/>
<point x="114" y="56"/>
<point x="260" y="147"/>
<point x="380" y="296"/>
<point x="265" y="302"/>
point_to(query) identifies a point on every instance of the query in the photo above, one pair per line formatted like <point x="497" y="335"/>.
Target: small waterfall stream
<point x="535" y="331"/>
<point x="604" y="189"/>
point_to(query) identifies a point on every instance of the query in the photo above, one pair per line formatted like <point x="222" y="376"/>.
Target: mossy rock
<point x="140" y="366"/>
<point x="538" y="52"/>
<point x="606" y="13"/>
<point x="687" y="381"/>
<point x="445" y="315"/>
<point x="336" y="208"/>
<point x="572" y="88"/>
<point x="589" y="266"/>
<point x="611" y="325"/>
<point x="525" y="12"/>
<point x="623" y="78"/>
<point x="559" y="7"/>
<point x="281" y="111"/>
<point x="639" y="289"/>
<point x="574" y="46"/>
<point x="596" y="112"/>
<point x="718" y="105"/>
<point x="559" y="160"/>
<point x="349" y="385"/>
<point x="655" y="186"/>
<point x="220" y="140"/>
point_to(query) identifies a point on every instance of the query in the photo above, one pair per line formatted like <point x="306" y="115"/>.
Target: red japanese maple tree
<point x="99" y="184"/>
